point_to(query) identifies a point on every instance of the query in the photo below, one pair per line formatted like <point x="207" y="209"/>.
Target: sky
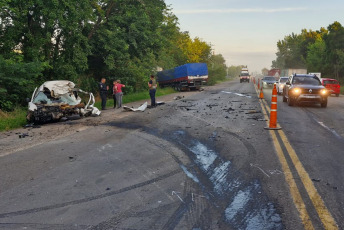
<point x="246" y="32"/>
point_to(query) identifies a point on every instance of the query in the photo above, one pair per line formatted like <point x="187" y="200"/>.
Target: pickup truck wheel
<point x="284" y="98"/>
<point x="324" y="104"/>
<point x="290" y="101"/>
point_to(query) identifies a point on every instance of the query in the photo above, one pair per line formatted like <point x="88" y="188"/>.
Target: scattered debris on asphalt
<point x="160" y="103"/>
<point x="178" y="97"/>
<point x="252" y="112"/>
<point x="23" y="135"/>
<point x="32" y="125"/>
<point x="142" y="108"/>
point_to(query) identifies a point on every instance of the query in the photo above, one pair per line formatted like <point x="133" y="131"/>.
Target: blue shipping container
<point x="191" y="69"/>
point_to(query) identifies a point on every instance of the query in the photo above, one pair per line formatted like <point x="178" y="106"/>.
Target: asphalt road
<point x="202" y="162"/>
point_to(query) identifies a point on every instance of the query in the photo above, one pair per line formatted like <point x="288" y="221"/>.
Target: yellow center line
<point x="324" y="215"/>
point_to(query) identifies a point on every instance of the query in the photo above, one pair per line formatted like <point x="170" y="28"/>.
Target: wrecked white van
<point x="56" y="100"/>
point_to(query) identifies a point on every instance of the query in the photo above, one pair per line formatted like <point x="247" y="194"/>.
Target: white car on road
<point x="280" y="84"/>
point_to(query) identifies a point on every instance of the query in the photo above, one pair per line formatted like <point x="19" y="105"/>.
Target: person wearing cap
<point x="152" y="90"/>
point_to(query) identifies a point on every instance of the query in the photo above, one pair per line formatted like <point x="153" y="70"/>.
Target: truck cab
<point x="244" y="75"/>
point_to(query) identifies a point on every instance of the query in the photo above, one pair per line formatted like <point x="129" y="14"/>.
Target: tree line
<point x="83" y="41"/>
<point x="317" y="51"/>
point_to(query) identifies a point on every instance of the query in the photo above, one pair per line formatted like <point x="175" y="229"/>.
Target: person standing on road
<point x="114" y="94"/>
<point x="119" y="93"/>
<point x="103" y="88"/>
<point x="152" y="90"/>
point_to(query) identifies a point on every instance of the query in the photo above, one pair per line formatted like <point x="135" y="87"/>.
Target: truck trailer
<point x="185" y="77"/>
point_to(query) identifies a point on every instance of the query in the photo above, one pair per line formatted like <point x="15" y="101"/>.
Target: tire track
<point x="85" y="200"/>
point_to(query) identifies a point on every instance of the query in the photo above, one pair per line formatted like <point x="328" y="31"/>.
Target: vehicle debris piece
<point x="142" y="108"/>
<point x="160" y="103"/>
<point x="252" y="112"/>
<point x="32" y="125"/>
<point x="23" y="135"/>
<point x="178" y="97"/>
<point x="57" y="100"/>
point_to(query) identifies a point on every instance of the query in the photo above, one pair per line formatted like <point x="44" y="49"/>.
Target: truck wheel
<point x="337" y="94"/>
<point x="248" y="81"/>
<point x="324" y="104"/>
<point x="240" y="81"/>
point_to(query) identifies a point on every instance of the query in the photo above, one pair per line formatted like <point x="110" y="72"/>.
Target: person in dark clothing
<point x="152" y="90"/>
<point x="103" y="88"/>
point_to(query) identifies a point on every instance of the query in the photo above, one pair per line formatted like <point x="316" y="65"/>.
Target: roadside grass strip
<point x="323" y="213"/>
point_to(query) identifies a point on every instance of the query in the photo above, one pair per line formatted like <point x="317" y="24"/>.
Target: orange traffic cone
<point x="273" y="111"/>
<point x="261" y="94"/>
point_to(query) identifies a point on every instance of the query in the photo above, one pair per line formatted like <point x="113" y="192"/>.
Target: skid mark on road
<point x="100" y="196"/>
<point x="43" y="226"/>
<point x="322" y="124"/>
<point x="228" y="187"/>
<point x="264" y="218"/>
<point x="238" y="94"/>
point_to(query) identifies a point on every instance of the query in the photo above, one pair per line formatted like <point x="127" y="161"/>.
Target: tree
<point x="217" y="69"/>
<point x="316" y="57"/>
<point x="334" y="41"/>
<point x="234" y="71"/>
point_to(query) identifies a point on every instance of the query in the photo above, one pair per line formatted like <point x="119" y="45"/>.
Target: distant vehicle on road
<point x="244" y="75"/>
<point x="185" y="77"/>
<point x="280" y="84"/>
<point x="304" y="88"/>
<point x="332" y="85"/>
<point x="268" y="81"/>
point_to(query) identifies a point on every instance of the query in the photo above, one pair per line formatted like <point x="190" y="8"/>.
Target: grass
<point x="17" y="118"/>
<point x="12" y="120"/>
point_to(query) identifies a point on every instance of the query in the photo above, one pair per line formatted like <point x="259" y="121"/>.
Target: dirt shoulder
<point x="24" y="138"/>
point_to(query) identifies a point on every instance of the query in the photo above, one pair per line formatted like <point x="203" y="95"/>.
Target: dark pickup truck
<point x="305" y="88"/>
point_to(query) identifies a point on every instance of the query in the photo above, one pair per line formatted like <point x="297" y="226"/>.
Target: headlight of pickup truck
<point x="323" y="92"/>
<point x="296" y="91"/>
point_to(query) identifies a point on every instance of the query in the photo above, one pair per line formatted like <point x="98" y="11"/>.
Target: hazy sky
<point x="246" y="32"/>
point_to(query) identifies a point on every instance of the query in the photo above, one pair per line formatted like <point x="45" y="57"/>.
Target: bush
<point x="17" y="81"/>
